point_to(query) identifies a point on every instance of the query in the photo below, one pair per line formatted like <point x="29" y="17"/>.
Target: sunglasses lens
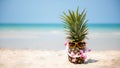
<point x="71" y="44"/>
<point x="80" y="44"/>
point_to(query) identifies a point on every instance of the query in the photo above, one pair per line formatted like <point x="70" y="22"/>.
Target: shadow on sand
<point x="90" y="61"/>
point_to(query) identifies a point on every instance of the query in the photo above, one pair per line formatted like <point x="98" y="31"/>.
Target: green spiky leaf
<point x="75" y="25"/>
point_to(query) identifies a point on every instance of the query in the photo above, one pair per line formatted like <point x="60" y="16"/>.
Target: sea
<point x="52" y="36"/>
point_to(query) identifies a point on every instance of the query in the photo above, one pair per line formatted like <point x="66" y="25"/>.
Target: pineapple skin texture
<point x="76" y="49"/>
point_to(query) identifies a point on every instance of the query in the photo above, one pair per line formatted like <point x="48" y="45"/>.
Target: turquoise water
<point x="104" y="27"/>
<point x="93" y="28"/>
<point x="59" y="26"/>
<point x="32" y="26"/>
<point x="52" y="36"/>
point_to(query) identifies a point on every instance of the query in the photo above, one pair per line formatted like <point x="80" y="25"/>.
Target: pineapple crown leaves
<point x="75" y="25"/>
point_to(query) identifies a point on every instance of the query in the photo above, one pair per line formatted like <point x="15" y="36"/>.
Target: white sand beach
<point x="12" y="58"/>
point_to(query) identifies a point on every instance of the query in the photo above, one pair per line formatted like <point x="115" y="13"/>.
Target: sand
<point x="13" y="58"/>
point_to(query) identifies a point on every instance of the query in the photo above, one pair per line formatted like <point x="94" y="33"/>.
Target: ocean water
<point x="52" y="36"/>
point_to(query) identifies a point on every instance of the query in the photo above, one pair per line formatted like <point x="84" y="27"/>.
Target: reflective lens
<point x="71" y="43"/>
<point x="80" y="44"/>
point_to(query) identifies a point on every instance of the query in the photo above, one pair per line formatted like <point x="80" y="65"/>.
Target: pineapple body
<point x="76" y="50"/>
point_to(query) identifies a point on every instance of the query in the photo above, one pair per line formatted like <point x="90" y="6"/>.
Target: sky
<point x="50" y="11"/>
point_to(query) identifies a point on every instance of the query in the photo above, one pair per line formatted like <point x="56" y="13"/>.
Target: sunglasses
<point x="79" y="44"/>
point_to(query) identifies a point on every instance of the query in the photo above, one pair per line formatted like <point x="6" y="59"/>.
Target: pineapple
<point x="75" y="25"/>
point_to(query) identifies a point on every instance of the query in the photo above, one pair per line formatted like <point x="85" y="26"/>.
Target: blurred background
<point x="36" y="24"/>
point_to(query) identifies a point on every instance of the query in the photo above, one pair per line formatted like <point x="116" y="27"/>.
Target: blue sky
<point x="49" y="11"/>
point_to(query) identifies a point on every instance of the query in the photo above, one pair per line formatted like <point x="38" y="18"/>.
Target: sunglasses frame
<point x="77" y="44"/>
